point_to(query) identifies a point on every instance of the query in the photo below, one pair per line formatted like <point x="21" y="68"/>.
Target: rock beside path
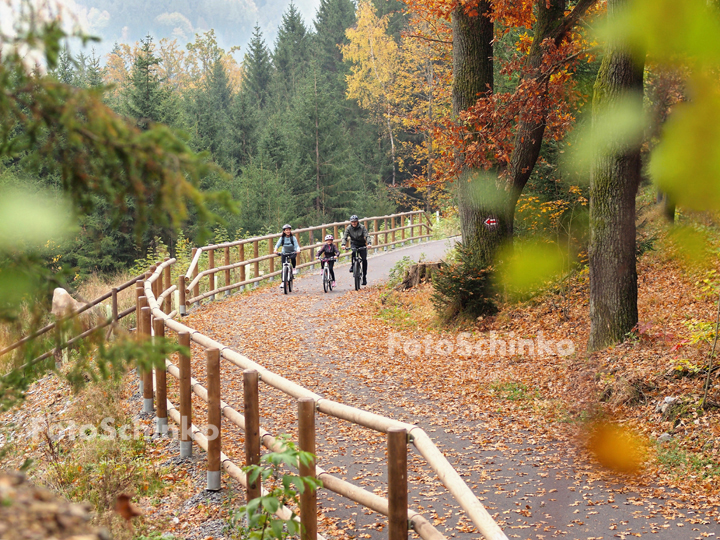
<point x="29" y="512"/>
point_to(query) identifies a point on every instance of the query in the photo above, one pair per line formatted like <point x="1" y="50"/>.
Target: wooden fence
<point x="155" y="319"/>
<point x="158" y="321"/>
<point x="385" y="232"/>
<point x="61" y="341"/>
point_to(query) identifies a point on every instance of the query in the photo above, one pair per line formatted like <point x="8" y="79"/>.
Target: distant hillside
<point x="233" y="20"/>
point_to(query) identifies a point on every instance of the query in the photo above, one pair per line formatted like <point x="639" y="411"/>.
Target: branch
<point x="570" y="20"/>
<point x="418" y="36"/>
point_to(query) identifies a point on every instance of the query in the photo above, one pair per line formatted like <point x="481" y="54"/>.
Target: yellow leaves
<point x="526" y="266"/>
<point x="617" y="448"/>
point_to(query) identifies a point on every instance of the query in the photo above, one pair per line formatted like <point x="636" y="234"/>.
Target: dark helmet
<point x="353" y="218"/>
<point x="287" y="226"/>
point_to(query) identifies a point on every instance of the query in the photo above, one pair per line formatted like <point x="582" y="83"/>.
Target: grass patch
<point x="681" y="463"/>
<point x="512" y="391"/>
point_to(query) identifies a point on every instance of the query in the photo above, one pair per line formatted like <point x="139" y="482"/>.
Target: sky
<point x="127" y="21"/>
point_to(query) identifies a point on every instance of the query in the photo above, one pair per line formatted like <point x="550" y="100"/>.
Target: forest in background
<point x="349" y="115"/>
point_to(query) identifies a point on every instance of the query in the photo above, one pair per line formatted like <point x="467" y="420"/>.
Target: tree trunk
<point x="473" y="77"/>
<point x="613" y="186"/>
<point x="531" y="127"/>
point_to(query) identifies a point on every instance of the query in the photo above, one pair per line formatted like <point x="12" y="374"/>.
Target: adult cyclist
<point x="287" y="246"/>
<point x="359" y="238"/>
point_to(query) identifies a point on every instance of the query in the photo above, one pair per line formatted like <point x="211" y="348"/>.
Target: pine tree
<point x="210" y="109"/>
<point x="291" y="54"/>
<point x="145" y="97"/>
<point x="333" y="18"/>
<point x="258" y="70"/>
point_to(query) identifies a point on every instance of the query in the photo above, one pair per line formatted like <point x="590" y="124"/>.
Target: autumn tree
<point x="374" y="56"/>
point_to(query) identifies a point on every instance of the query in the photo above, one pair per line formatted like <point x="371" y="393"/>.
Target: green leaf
<point x="526" y="266"/>
<point x="271" y="504"/>
<point x="277" y="527"/>
<point x="686" y="163"/>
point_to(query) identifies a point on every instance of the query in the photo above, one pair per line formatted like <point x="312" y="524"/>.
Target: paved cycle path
<point x="530" y="485"/>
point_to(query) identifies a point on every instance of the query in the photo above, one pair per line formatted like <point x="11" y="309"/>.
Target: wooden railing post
<point x="168" y="279"/>
<point x="161" y="420"/>
<point x="185" y="398"/>
<point x="310" y="244"/>
<point x="147" y="373"/>
<point x="181" y="289"/>
<point x="392" y="226"/>
<point x="211" y="277"/>
<point x="385" y="227"/>
<point x="412" y="227"/>
<point x="196" y="288"/>
<point x="241" y="258"/>
<point x="139" y="293"/>
<point x="397" y="484"/>
<point x="256" y="266"/>
<point x="214" y="419"/>
<point x="271" y="251"/>
<point x="306" y="440"/>
<point x="115" y="317"/>
<point x="402" y="231"/>
<point x="227" y="271"/>
<point x="158" y="286"/>
<point x="377" y="236"/>
<point x="252" y="427"/>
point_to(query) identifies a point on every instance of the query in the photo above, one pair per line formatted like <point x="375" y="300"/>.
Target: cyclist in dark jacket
<point x="329" y="251"/>
<point x="359" y="238"/>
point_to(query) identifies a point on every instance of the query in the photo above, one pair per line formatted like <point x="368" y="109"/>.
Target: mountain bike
<point x="356" y="265"/>
<point x="327" y="281"/>
<point x="287" y="271"/>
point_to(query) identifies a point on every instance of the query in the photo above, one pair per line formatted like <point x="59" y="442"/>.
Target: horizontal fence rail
<point x="154" y="295"/>
<point x="448" y="476"/>
<point x="384" y="231"/>
<point x="113" y="319"/>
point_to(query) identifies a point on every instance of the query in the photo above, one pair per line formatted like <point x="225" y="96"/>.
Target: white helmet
<point x="329" y="237"/>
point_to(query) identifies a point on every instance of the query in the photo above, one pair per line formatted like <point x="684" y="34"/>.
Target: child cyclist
<point x="289" y="245"/>
<point x="329" y="251"/>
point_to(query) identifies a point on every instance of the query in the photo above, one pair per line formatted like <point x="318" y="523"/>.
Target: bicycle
<point x="287" y="271"/>
<point x="327" y="282"/>
<point x="356" y="265"/>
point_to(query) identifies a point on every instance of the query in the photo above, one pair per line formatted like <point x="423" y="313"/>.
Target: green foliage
<point x="524" y="268"/>
<point x="256" y="520"/>
<point x="397" y="272"/>
<point x="464" y="288"/>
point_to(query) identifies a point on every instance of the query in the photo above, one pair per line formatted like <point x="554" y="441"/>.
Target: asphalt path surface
<point x="530" y="486"/>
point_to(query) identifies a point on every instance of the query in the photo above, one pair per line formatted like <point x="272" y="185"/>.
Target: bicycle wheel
<point x="326" y="282"/>
<point x="356" y="274"/>
<point x="290" y="281"/>
<point x="329" y="282"/>
<point x="285" y="280"/>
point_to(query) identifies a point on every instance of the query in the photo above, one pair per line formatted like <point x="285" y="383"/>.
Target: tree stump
<point x="416" y="274"/>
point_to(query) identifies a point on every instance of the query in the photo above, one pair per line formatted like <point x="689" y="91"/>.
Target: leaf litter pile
<point x="555" y="446"/>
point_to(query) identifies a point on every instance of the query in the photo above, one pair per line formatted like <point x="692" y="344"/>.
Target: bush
<point x="464" y="288"/>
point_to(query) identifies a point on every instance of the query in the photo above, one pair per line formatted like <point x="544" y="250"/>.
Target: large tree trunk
<point x="472" y="77"/>
<point x="613" y="187"/>
<point x="531" y="127"/>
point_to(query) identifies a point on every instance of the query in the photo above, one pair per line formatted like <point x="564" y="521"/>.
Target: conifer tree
<point x="258" y="70"/>
<point x="291" y="54"/>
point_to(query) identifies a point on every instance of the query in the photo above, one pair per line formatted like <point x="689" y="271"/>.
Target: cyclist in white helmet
<point x="328" y="251"/>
